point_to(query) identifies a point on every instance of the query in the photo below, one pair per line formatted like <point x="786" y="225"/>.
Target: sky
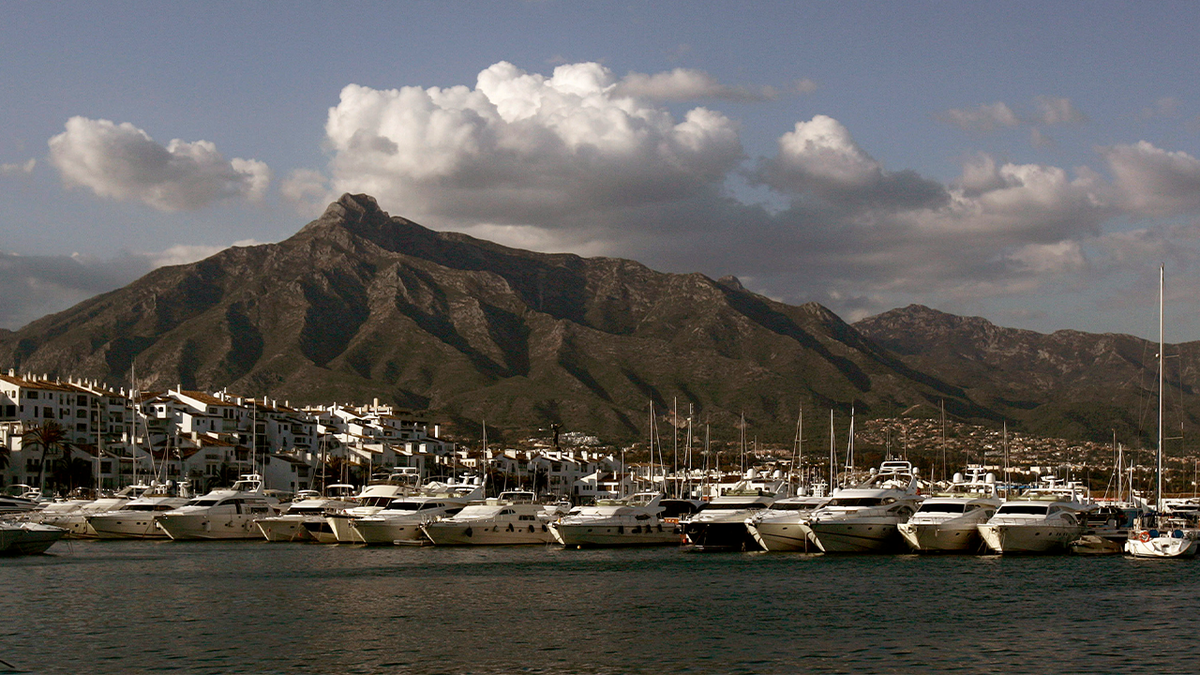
<point x="1031" y="163"/>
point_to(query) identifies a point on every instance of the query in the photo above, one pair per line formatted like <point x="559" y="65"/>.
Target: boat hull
<point x="487" y="534"/>
<point x="720" y="536"/>
<point x="29" y="538"/>
<point x="613" y="536"/>
<point x="287" y="528"/>
<point x="941" y="537"/>
<point x="840" y="536"/>
<point x="126" y="525"/>
<point x="204" y="526"/>
<point x="1162" y="547"/>
<point x="1028" y="538"/>
<point x="384" y="531"/>
<point x="781" y="536"/>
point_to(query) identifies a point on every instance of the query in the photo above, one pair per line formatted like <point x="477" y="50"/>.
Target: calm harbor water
<point x="256" y="607"/>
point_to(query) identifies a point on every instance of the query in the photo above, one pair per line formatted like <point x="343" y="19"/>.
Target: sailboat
<point x="1147" y="540"/>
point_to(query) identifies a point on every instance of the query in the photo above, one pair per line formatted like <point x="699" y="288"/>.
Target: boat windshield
<point x="856" y="501"/>
<point x="943" y="507"/>
<point x="1026" y="509"/>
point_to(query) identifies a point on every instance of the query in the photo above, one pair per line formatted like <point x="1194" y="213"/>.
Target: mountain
<point x="1066" y="384"/>
<point x="360" y="305"/>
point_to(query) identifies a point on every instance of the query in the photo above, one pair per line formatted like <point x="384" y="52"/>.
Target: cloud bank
<point x="122" y="162"/>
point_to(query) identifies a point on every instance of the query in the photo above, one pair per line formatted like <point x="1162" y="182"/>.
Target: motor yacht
<point x="72" y="514"/>
<point x="400" y="521"/>
<point x="226" y="513"/>
<point x="721" y="524"/>
<point x="380" y="492"/>
<point x="1043" y="519"/>
<point x="864" y="518"/>
<point x="947" y="521"/>
<point x="779" y="528"/>
<point x="27" y="538"/>
<point x="136" y="518"/>
<point x="512" y="518"/>
<point x="20" y="498"/>
<point x="310" y="507"/>
<point x="635" y="520"/>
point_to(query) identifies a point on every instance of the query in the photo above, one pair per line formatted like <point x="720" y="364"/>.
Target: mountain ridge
<point x="359" y="304"/>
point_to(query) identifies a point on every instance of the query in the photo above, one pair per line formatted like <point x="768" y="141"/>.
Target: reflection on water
<point x="253" y="607"/>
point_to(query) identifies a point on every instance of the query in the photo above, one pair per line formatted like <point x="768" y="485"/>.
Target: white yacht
<point x="135" y="519"/>
<point x="948" y="520"/>
<point x="20" y="498"/>
<point x="1043" y="519"/>
<point x="27" y="538"/>
<point x="778" y="528"/>
<point x="1162" y="538"/>
<point x="310" y="507"/>
<point x="72" y="515"/>
<point x="226" y="513"/>
<point x="377" y="494"/>
<point x="400" y="521"/>
<point x="635" y="520"/>
<point x="864" y="518"/>
<point x="512" y="518"/>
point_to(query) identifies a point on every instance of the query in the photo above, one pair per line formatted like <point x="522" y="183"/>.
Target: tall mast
<point x="1158" y="505"/>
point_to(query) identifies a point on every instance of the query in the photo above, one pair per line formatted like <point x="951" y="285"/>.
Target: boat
<point x="864" y="518"/>
<point x="778" y="528"/>
<point x="721" y="524"/>
<point x="19" y="498"/>
<point x="136" y="518"/>
<point x="72" y="515"/>
<point x="377" y="494"/>
<point x="636" y="520"/>
<point x="1155" y="535"/>
<point x="1043" y="519"/>
<point x="947" y="520"/>
<point x="309" y="507"/>
<point x="400" y="521"/>
<point x="27" y="538"/>
<point x="224" y="513"/>
<point x="512" y="518"/>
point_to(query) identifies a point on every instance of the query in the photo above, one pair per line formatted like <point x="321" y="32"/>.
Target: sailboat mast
<point x="1158" y="506"/>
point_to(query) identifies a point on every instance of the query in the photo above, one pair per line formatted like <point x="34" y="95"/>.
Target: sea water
<point x="258" y="607"/>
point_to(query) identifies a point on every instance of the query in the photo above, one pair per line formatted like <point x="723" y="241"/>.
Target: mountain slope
<point x="1067" y="384"/>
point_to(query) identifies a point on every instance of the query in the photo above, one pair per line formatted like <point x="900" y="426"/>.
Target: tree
<point x="47" y="436"/>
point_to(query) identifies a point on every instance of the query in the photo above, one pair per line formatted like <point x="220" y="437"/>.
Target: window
<point x="31" y="394"/>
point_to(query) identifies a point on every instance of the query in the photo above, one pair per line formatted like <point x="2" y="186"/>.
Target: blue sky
<point x="1032" y="163"/>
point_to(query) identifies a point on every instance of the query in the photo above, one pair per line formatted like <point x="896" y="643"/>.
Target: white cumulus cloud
<point x="122" y="162"/>
<point x="522" y="148"/>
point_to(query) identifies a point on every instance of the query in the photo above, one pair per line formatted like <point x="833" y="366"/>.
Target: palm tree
<point x="47" y="435"/>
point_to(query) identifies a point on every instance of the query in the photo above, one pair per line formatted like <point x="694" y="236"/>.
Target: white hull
<point x="855" y="536"/>
<point x="126" y="525"/>
<point x="948" y="537"/>
<point x="781" y="536"/>
<point x="205" y="526"/>
<point x="401" y="532"/>
<point x="287" y="528"/>
<point x="1162" y="547"/>
<point x="1033" y="538"/>
<point x="611" y="536"/>
<point x="487" y="534"/>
